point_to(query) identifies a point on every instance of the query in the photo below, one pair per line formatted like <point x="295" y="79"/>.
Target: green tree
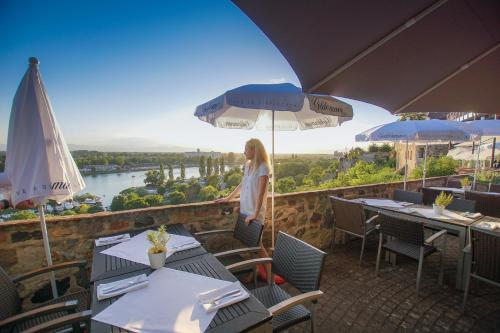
<point x="23" y="215"/>
<point x="316" y="174"/>
<point x="213" y="180"/>
<point x="83" y="209"/>
<point x="234" y="179"/>
<point x="176" y="197"/>
<point x="153" y="200"/>
<point x="161" y="189"/>
<point x="442" y="166"/>
<point x="209" y="193"/>
<point x="170" y="171"/>
<point x="222" y="166"/>
<point x="161" y="175"/>
<point x="181" y="188"/>
<point x="201" y="167"/>
<point x="216" y="166"/>
<point x="209" y="166"/>
<point x="136" y="203"/>
<point x="285" y="185"/>
<point x="183" y="170"/>
<point x="230" y="158"/>
<point x="118" y="202"/>
<point x="152" y="178"/>
<point x="413" y="116"/>
<point x="95" y="209"/>
<point x="193" y="190"/>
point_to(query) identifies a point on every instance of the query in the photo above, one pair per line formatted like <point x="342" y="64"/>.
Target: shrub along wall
<point x="306" y="215"/>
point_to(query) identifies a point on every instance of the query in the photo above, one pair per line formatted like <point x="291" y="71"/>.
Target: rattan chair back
<point x="10" y="303"/>
<point x="462" y="205"/>
<point x="408" y="196"/>
<point x="431" y="194"/>
<point x="485" y="254"/>
<point x="408" y="231"/>
<point x="495" y="188"/>
<point x="348" y="215"/>
<point x="299" y="263"/>
<point x="250" y="234"/>
<point x="486" y="204"/>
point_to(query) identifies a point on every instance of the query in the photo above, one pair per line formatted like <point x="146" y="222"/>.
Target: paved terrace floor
<point x="357" y="301"/>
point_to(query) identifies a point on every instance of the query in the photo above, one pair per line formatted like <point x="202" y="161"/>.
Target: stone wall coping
<point x="63" y="219"/>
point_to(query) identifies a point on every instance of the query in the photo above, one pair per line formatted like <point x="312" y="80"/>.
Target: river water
<point x="107" y="186"/>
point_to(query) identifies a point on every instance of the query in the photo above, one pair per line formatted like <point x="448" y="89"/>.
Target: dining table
<point x="248" y="315"/>
<point x="458" y="227"/>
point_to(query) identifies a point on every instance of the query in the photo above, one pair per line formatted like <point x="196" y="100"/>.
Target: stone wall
<point x="306" y="215"/>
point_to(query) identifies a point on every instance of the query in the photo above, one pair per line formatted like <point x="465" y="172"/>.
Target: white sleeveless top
<point x="250" y="191"/>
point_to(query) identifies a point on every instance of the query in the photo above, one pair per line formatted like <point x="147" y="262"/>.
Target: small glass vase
<point x="157" y="260"/>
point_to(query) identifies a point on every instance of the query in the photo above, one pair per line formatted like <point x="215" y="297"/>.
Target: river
<point x="107" y="186"/>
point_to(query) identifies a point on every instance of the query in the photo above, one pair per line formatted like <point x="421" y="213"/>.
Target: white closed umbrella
<point x="38" y="164"/>
<point x="282" y="107"/>
<point x="416" y="131"/>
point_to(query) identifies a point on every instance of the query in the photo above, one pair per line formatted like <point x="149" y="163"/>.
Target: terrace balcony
<point x="355" y="299"/>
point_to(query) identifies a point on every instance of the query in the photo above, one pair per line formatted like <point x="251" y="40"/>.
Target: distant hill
<point x="132" y="148"/>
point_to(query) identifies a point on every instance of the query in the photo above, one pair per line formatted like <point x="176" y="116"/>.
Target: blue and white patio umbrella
<point x="38" y="164"/>
<point x="482" y="128"/>
<point x="416" y="131"/>
<point x="282" y="107"/>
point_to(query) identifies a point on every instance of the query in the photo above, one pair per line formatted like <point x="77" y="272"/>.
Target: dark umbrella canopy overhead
<point x="405" y="56"/>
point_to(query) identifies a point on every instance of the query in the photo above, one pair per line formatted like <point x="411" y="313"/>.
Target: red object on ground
<point x="262" y="273"/>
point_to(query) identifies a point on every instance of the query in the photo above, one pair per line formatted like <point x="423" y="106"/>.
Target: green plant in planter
<point x="159" y="240"/>
<point x="465" y="182"/>
<point x="443" y="200"/>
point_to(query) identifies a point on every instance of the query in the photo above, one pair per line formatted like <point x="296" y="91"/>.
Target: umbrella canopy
<point x="466" y="154"/>
<point x="416" y="130"/>
<point x="484" y="127"/>
<point x="38" y="164"/>
<point x="404" y="56"/>
<point x="274" y="107"/>
<point x="253" y="105"/>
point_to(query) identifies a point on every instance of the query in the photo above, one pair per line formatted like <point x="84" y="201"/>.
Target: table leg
<point x="462" y="241"/>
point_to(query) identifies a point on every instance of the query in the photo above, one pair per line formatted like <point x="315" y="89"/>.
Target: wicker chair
<point x="431" y="194"/>
<point x="60" y="312"/>
<point x="249" y="235"/>
<point x="462" y="205"/>
<point x="495" y="188"/>
<point x="486" y="203"/>
<point x="407" y="238"/>
<point x="407" y="196"/>
<point x="485" y="251"/>
<point x="301" y="265"/>
<point x="349" y="217"/>
<point x="453" y="183"/>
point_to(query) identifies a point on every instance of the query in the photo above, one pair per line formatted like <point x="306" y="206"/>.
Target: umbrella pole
<point x="425" y="164"/>
<point x="46" y="247"/>
<point x="272" y="186"/>
<point x="477" y="164"/>
<point x="406" y="166"/>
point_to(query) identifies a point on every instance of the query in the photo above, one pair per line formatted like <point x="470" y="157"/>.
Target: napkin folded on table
<point x="218" y="298"/>
<point x="488" y="225"/>
<point x="115" y="288"/>
<point x="176" y="245"/>
<point x="112" y="240"/>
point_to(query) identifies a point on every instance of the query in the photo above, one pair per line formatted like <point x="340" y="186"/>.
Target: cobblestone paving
<point x="356" y="300"/>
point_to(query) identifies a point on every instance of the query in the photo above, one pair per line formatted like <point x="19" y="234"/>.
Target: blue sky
<point x="127" y="75"/>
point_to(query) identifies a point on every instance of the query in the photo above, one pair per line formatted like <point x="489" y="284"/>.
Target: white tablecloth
<point x="383" y="203"/>
<point x="447" y="215"/>
<point x="136" y="249"/>
<point x="168" y="304"/>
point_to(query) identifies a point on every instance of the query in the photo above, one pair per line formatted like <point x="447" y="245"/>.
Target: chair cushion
<point x="83" y="304"/>
<point x="272" y="295"/>
<point x="408" y="249"/>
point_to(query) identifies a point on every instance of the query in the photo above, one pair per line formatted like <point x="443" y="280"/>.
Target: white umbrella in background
<point x="416" y="131"/>
<point x="38" y="164"/>
<point x="282" y="107"/>
<point x="482" y="128"/>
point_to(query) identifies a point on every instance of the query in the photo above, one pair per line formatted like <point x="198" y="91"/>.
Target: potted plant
<point x="465" y="182"/>
<point x="157" y="253"/>
<point x="441" y="202"/>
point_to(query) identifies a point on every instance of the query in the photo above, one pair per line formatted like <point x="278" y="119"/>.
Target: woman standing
<point x="253" y="188"/>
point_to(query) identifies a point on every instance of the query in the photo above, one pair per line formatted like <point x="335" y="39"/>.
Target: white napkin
<point x="383" y="203"/>
<point x="136" y="249"/>
<point x="218" y="298"/>
<point x="112" y="240"/>
<point x="489" y="225"/>
<point x="447" y="215"/>
<point x="115" y="288"/>
<point x="168" y="304"/>
<point x="471" y="215"/>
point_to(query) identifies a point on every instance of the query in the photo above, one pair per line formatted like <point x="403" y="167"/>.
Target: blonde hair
<point x="260" y="156"/>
